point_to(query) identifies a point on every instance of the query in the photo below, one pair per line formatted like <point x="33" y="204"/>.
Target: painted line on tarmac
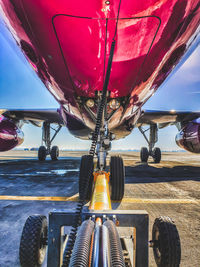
<point x="40" y="198"/>
<point x="74" y="198"/>
<point x="160" y="201"/>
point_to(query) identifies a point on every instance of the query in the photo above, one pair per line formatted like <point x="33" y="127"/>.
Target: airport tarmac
<point x="170" y="188"/>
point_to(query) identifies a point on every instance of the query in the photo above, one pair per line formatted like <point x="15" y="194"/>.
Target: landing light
<point x="90" y="103"/>
<point x="114" y="104"/>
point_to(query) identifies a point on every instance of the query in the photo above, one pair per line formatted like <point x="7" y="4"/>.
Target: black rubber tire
<point x="54" y="153"/>
<point x="32" y="251"/>
<point x="42" y="153"/>
<point x="117" y="176"/>
<point x="157" y="155"/>
<point x="144" y="154"/>
<point x="86" y="168"/>
<point x="167" y="246"/>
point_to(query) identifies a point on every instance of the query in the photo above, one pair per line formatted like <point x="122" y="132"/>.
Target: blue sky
<point x="21" y="88"/>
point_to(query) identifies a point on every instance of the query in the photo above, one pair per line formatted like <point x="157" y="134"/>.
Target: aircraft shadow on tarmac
<point x="144" y="173"/>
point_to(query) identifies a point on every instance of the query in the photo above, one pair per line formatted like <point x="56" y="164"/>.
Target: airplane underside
<point x="124" y="50"/>
<point x="101" y="60"/>
<point x="68" y="45"/>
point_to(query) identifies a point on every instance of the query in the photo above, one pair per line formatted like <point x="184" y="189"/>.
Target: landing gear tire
<point x="166" y="243"/>
<point x="144" y="154"/>
<point x="86" y="168"/>
<point x="157" y="155"/>
<point x="54" y="153"/>
<point x="117" y="174"/>
<point x="33" y="241"/>
<point x="42" y="153"/>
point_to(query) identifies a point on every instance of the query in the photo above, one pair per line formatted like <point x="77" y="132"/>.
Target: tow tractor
<point x="94" y="239"/>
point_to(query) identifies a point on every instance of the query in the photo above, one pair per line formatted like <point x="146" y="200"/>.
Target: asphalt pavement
<point x="29" y="187"/>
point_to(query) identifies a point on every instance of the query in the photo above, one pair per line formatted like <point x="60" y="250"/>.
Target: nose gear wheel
<point x="117" y="174"/>
<point x="86" y="164"/>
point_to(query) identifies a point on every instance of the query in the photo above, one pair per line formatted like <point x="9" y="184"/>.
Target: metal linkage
<point x="46" y="135"/>
<point x="103" y="146"/>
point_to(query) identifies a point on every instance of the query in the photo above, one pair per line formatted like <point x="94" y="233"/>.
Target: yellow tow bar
<point x="101" y="193"/>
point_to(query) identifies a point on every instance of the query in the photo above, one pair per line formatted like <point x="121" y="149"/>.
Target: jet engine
<point x="10" y="134"/>
<point x="189" y="137"/>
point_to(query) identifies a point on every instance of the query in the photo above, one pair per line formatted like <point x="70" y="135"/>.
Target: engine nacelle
<point x="189" y="137"/>
<point x="10" y="134"/>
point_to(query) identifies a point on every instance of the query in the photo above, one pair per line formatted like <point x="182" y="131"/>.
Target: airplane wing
<point x="187" y="123"/>
<point x="164" y="118"/>
<point x="35" y="116"/>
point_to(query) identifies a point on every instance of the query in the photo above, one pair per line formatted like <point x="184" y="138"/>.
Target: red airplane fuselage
<point x="68" y="45"/>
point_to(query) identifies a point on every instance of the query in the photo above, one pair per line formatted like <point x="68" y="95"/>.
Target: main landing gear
<point x="152" y="151"/>
<point x="46" y="138"/>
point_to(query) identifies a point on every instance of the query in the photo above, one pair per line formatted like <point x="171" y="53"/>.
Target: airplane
<point x="102" y="60"/>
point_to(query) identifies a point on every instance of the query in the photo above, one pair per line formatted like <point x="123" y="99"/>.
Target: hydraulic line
<point x="77" y="219"/>
<point x="96" y="246"/>
<point x="115" y="245"/>
<point x="103" y="101"/>
<point x="101" y="246"/>
<point x="105" y="247"/>
<point x="76" y="223"/>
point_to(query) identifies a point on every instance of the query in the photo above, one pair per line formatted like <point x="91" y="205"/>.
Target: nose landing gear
<point x="116" y="168"/>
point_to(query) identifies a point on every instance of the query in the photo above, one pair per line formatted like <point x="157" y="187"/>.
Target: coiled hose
<point x="103" y="102"/>
<point x="77" y="219"/>
<point x="115" y="245"/>
<point x="80" y="255"/>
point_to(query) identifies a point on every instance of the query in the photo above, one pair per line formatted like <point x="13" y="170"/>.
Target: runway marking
<point x="160" y="201"/>
<point x="124" y="200"/>
<point x="40" y="198"/>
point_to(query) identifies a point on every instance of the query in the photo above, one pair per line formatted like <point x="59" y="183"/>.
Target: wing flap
<point x="166" y="117"/>
<point x="34" y="115"/>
